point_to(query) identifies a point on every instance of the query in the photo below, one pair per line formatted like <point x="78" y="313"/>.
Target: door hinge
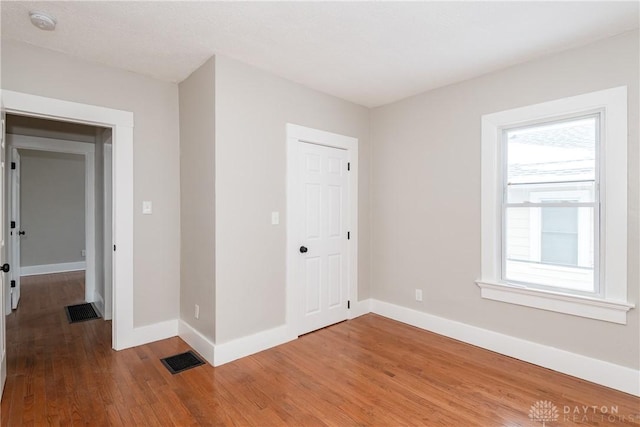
<point x="348" y="304"/>
<point x="13" y="283"/>
<point x="13" y="165"/>
<point x="13" y="224"/>
<point x="348" y="235"/>
<point x="114" y="248"/>
<point x="348" y="166"/>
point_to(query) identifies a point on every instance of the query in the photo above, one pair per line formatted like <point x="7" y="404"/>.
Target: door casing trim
<point x="121" y="123"/>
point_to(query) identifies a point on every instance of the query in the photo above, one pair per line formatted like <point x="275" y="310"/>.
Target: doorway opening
<point x="59" y="205"/>
<point x="124" y="335"/>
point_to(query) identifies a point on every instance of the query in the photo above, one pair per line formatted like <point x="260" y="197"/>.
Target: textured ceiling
<point x="370" y="53"/>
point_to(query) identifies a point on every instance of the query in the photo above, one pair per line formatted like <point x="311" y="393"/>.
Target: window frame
<point x="610" y="303"/>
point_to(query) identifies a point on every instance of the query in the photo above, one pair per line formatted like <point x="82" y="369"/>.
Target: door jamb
<point x="121" y="123"/>
<point x="295" y="135"/>
<point x="107" y="227"/>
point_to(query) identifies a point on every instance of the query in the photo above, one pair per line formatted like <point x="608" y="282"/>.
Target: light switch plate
<point x="275" y="218"/>
<point x="147" y="207"/>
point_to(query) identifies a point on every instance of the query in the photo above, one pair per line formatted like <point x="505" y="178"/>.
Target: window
<point x="554" y="206"/>
<point x="550" y="203"/>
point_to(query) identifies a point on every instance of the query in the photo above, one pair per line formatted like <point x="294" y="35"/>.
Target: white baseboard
<point x="98" y="302"/>
<point x="33" y="270"/>
<point x="155" y="332"/>
<point x="360" y="308"/>
<point x="245" y="346"/>
<point x="195" y="339"/>
<point x="227" y="352"/>
<point x="598" y="371"/>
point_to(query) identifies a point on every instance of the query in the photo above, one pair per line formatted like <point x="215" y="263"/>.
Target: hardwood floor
<point x="368" y="371"/>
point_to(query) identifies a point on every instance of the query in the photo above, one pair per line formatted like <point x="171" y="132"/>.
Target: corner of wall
<point x="196" y="96"/>
<point x="200" y="343"/>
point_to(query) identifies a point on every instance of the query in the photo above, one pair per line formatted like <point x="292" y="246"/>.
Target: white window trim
<point x="612" y="305"/>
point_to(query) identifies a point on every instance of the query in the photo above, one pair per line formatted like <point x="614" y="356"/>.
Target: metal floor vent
<point x="81" y="312"/>
<point x="181" y="362"/>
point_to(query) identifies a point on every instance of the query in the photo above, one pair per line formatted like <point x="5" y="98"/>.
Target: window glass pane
<point x="552" y="247"/>
<point x="552" y="152"/>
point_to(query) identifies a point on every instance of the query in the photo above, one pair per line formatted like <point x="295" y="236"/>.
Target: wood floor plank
<point x="369" y="371"/>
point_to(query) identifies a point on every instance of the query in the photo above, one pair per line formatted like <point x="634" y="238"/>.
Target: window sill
<point x="593" y="308"/>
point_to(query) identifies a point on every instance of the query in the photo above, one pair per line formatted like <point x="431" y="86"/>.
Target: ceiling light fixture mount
<point x="43" y="20"/>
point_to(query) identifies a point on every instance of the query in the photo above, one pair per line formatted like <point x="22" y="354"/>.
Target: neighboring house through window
<point x="554" y="205"/>
<point x="550" y="203"/>
<point x="559" y="236"/>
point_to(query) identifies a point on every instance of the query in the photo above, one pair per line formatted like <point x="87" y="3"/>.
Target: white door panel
<point x="322" y="270"/>
<point x="312" y="285"/>
<point x="335" y="281"/>
<point x="15" y="232"/>
<point x="4" y="303"/>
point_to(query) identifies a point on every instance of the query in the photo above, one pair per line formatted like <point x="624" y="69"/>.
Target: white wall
<point x="52" y="203"/>
<point x="426" y="197"/>
<point x="156" y="158"/>
<point x="197" y="199"/>
<point x="252" y="110"/>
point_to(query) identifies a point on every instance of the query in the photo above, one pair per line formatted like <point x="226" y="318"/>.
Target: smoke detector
<point x="43" y="20"/>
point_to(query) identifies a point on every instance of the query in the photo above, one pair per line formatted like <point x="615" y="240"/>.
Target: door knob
<point x="303" y="249"/>
<point x="5" y="267"/>
<point x="21" y="233"/>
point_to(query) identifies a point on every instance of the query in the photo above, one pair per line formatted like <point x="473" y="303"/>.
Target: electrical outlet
<point x="83" y="253"/>
<point x="197" y="312"/>
<point x="418" y="294"/>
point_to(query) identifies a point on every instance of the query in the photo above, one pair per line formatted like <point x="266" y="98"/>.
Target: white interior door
<point x="16" y="230"/>
<point x="6" y="288"/>
<point x="323" y="262"/>
<point x="3" y="294"/>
